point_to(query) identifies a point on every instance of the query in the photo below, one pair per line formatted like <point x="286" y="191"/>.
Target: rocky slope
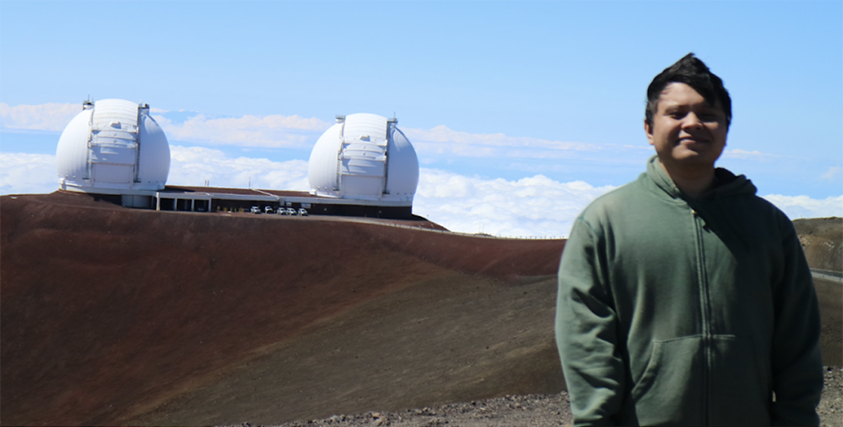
<point x="821" y="240"/>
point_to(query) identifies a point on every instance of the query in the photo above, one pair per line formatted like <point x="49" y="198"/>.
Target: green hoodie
<point x="674" y="311"/>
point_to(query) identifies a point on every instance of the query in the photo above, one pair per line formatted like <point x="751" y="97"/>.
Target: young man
<point x="685" y="299"/>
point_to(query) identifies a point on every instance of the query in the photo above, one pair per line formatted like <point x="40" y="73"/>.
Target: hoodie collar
<point x="662" y="180"/>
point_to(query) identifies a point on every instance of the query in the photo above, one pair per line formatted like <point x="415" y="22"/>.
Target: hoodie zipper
<point x="705" y="314"/>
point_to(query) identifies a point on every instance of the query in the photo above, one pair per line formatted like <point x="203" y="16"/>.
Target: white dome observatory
<point x="364" y="157"/>
<point x="113" y="147"/>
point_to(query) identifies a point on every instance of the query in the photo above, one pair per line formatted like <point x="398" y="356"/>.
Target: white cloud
<point x="832" y="172"/>
<point x="49" y="117"/>
<point x="747" y="155"/>
<point x="442" y="140"/>
<point x="247" y="131"/>
<point x="647" y="147"/>
<point x="299" y="132"/>
<point x="806" y="207"/>
<point x="535" y="206"/>
<point x="277" y="131"/>
<point x="22" y="173"/>
<point x="192" y="166"/>
<point x="442" y="133"/>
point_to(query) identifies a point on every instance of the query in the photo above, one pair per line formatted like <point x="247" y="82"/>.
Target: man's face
<point x="687" y="132"/>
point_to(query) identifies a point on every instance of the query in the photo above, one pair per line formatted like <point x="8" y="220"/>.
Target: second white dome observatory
<point x="364" y="157"/>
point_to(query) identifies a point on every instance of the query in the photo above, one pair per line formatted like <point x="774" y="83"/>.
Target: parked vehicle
<point x="256" y="210"/>
<point x="302" y="212"/>
<point x="291" y="211"/>
<point x="268" y="209"/>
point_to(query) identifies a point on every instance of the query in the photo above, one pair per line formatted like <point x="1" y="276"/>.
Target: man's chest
<point x="678" y="261"/>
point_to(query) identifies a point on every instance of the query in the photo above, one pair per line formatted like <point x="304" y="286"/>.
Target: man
<point x="684" y="299"/>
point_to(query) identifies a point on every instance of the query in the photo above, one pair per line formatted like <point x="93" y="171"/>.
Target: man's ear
<point x="647" y="131"/>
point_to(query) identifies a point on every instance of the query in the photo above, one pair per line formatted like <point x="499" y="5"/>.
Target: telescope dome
<point x="364" y="157"/>
<point x="113" y="145"/>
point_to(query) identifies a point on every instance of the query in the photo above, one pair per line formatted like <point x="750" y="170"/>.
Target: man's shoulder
<point x="614" y="201"/>
<point x="759" y="211"/>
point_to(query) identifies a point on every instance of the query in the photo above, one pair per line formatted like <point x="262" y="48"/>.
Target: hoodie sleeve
<point x="796" y="361"/>
<point x="586" y="330"/>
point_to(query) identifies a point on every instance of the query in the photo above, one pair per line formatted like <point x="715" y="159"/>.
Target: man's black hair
<point x="693" y="72"/>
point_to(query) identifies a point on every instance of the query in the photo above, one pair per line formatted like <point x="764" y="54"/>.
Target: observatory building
<point x="114" y="147"/>
<point x="361" y="166"/>
<point x="365" y="158"/>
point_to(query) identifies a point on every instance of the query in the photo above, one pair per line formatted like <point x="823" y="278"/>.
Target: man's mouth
<point x="691" y="140"/>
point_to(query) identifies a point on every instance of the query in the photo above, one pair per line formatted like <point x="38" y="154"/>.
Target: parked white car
<point x="302" y="212"/>
<point x="256" y="210"/>
<point x="291" y="211"/>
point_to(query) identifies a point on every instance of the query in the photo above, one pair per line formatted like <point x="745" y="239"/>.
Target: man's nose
<point x="691" y="121"/>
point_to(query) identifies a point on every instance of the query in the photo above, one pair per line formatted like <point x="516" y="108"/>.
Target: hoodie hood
<point x="726" y="184"/>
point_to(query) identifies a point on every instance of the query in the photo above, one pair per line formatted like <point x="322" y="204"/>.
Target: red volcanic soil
<point x="112" y="315"/>
<point x="122" y="316"/>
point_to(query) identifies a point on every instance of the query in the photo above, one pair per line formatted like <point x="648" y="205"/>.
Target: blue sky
<point x="521" y="112"/>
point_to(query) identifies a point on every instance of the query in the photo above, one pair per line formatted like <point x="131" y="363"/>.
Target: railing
<point x="386" y="223"/>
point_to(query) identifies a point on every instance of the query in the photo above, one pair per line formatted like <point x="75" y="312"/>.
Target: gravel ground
<point x="530" y="410"/>
<point x="831" y="405"/>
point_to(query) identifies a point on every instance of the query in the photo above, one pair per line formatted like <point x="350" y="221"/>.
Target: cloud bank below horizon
<point x="536" y="206"/>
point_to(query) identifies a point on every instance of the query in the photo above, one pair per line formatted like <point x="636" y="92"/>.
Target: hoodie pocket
<point x="670" y="391"/>
<point x="741" y="382"/>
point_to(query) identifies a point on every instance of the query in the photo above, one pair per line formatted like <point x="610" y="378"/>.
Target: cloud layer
<point x="442" y="140"/>
<point x="536" y="206"/>
<point x="248" y="131"/>
<point x="48" y="117"/>
<point x="22" y="173"/>
<point x="192" y="166"/>
<point x="278" y="131"/>
<point x="806" y="207"/>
